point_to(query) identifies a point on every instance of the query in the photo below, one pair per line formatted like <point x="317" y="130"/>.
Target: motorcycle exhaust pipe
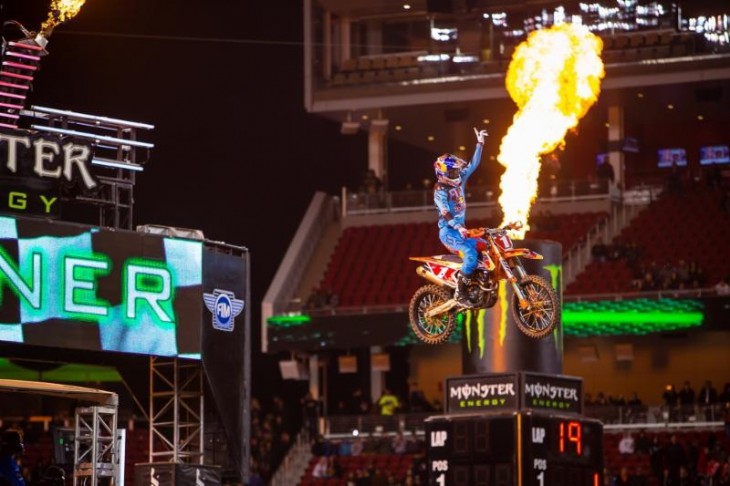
<point x="422" y="272"/>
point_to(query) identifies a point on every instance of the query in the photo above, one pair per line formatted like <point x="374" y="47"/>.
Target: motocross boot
<point x="462" y="291"/>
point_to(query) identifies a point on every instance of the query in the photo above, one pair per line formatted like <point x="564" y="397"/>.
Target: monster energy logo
<point x="546" y="390"/>
<point x="481" y="390"/>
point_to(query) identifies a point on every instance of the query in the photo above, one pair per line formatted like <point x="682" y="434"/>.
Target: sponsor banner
<point x="552" y="392"/>
<point x="64" y="160"/>
<point x="473" y="393"/>
<point x="29" y="196"/>
<point x="225" y="346"/>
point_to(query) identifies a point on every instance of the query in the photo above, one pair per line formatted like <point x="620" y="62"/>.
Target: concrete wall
<point x="658" y="361"/>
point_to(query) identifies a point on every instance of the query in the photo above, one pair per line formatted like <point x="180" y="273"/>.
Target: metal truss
<point x="118" y="156"/>
<point x="176" y="411"/>
<point x="96" y="455"/>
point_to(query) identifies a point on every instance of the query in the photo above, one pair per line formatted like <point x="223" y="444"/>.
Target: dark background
<point x="236" y="155"/>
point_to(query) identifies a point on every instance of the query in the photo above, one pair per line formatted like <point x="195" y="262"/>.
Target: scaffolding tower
<point x="176" y="411"/>
<point x="96" y="455"/>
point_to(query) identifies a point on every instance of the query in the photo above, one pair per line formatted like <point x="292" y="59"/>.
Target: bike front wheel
<point x="541" y="315"/>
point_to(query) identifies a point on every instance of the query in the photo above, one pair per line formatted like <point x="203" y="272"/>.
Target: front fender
<point x="522" y="252"/>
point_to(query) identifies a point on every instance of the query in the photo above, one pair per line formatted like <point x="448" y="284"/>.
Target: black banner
<point x="514" y="391"/>
<point x="552" y="392"/>
<point x="225" y="344"/>
<point x="481" y="393"/>
<point x="65" y="160"/>
<point x="29" y="196"/>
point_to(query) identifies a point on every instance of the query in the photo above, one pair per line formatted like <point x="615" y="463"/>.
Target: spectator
<point x="687" y="400"/>
<point x="676" y="459"/>
<point x="310" y="408"/>
<point x="371" y="184"/>
<point x="635" y="408"/>
<point x="388" y="403"/>
<point x="626" y="444"/>
<point x="399" y="443"/>
<point x="707" y="398"/>
<point x="11" y="447"/>
<point x="643" y="443"/>
<point x="417" y="400"/>
<point x="656" y="458"/>
<point x="357" y="447"/>
<point x="345" y="448"/>
<point x="670" y="397"/>
<point x="599" y="251"/>
<point x="321" y="468"/>
<point x="722" y="287"/>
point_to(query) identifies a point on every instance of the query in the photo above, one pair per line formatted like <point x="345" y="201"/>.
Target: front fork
<point x="515" y="278"/>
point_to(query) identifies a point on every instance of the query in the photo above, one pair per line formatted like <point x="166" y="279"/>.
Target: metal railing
<point x="375" y="202"/>
<point x="642" y="416"/>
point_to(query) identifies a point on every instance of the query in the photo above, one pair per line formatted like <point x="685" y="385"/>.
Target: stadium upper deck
<point x="423" y="65"/>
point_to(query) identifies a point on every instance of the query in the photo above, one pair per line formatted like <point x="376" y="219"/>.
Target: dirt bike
<point x="433" y="308"/>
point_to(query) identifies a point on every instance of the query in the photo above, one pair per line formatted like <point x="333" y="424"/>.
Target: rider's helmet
<point x="448" y="169"/>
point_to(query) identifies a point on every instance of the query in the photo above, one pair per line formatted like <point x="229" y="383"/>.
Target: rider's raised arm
<point x="473" y="163"/>
<point x="477" y="157"/>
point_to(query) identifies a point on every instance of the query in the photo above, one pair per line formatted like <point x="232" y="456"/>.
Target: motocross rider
<point x="452" y="174"/>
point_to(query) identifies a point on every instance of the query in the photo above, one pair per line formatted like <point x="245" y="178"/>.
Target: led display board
<point x="671" y="157"/>
<point x="82" y="287"/>
<point x="714" y="154"/>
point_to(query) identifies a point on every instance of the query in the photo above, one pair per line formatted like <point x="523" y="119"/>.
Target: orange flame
<point x="61" y="11"/>
<point x="554" y="78"/>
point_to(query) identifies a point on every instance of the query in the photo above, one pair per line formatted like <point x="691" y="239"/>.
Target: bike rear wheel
<point x="436" y="329"/>
<point x="543" y="312"/>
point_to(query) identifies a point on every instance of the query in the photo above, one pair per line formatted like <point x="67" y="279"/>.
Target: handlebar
<point x="479" y="232"/>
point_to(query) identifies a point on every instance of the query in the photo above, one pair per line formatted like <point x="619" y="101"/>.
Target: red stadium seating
<point x="370" y="265"/>
<point x="673" y="228"/>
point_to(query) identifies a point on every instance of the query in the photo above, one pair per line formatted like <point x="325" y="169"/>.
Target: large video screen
<point x="714" y="154"/>
<point x="74" y="286"/>
<point x="672" y="156"/>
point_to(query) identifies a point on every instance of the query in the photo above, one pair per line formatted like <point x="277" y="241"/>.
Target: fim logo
<point x="225" y="307"/>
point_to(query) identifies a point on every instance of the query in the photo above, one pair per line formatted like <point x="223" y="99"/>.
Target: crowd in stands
<point x="370" y="461"/>
<point x="650" y="276"/>
<point x="668" y="459"/>
<point x="271" y="435"/>
<point x="682" y="405"/>
<point x="388" y="403"/>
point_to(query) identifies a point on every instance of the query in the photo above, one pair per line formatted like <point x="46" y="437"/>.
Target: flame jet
<point x="61" y="11"/>
<point x="554" y="78"/>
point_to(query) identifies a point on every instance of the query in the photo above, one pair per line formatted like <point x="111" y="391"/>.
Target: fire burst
<point x="61" y="11"/>
<point x="554" y="77"/>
